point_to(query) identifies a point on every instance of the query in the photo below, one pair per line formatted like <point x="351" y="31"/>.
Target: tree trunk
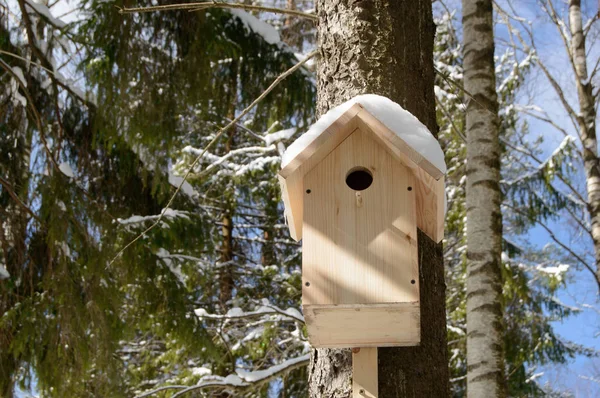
<point x="386" y="48"/>
<point x="485" y="364"/>
<point x="226" y="279"/>
<point x="586" y="119"/>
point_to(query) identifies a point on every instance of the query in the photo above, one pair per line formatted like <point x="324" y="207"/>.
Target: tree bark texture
<point x="586" y="120"/>
<point x="485" y="366"/>
<point x="386" y="47"/>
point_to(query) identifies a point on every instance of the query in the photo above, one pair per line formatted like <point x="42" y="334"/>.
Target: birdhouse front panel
<point x="356" y="187"/>
<point x="360" y="264"/>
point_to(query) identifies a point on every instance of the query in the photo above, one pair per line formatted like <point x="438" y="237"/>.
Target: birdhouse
<point x="355" y="193"/>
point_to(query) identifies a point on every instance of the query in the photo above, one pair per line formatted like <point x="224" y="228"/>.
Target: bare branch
<point x="561" y="244"/>
<point x="445" y="112"/>
<point x="16" y="198"/>
<point x="279" y="79"/>
<point x="214" y="4"/>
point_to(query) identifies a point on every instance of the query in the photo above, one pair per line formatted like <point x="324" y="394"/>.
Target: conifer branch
<point x="13" y="194"/>
<point x="235" y="382"/>
<point x="34" y="110"/>
<point x="456" y="84"/>
<point x="560" y="243"/>
<point x="42" y="132"/>
<point x="216" y="4"/>
<point x="26" y="60"/>
<point x="452" y="125"/>
<point x="275" y="83"/>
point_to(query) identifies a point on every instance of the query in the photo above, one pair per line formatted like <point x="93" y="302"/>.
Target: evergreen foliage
<point x="214" y="291"/>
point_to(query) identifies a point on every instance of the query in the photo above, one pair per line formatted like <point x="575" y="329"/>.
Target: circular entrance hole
<point x="359" y="179"/>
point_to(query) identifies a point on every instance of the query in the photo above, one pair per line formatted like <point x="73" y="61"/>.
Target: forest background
<point x="103" y="113"/>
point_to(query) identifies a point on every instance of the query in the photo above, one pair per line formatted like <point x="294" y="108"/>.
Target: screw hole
<point x="413" y="281"/>
<point x="409" y="188"/>
<point x="307" y="284"/>
<point x="308" y="191"/>
<point x="359" y="179"/>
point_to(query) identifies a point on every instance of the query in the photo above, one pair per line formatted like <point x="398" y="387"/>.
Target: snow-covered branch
<point x="237" y="313"/>
<point x="242" y="379"/>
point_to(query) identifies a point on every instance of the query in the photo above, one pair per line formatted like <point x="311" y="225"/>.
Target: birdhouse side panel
<point x="359" y="246"/>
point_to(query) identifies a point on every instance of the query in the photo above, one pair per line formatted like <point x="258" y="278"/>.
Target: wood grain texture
<point x="291" y="177"/>
<point x="391" y="140"/>
<point x="429" y="183"/>
<point x="359" y="253"/>
<point x="364" y="373"/>
<point x="323" y="144"/>
<point x="363" y="325"/>
<point x="386" y="47"/>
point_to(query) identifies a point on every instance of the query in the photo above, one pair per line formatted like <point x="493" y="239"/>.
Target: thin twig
<point x="26" y="60"/>
<point x="454" y="83"/>
<point x="561" y="244"/>
<point x="211" y="143"/>
<point x="445" y="112"/>
<point x="215" y="4"/>
<point x="40" y="126"/>
<point x="36" y="113"/>
<point x="16" y="198"/>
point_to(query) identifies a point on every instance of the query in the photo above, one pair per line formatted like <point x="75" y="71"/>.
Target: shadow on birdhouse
<point x="356" y="195"/>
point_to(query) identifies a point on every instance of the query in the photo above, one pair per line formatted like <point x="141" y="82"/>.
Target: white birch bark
<point x="485" y="361"/>
<point x="586" y="120"/>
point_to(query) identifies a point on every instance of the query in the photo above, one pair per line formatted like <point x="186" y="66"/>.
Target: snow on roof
<point x="400" y="121"/>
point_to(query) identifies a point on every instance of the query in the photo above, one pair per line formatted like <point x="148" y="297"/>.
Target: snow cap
<point x="400" y="121"/>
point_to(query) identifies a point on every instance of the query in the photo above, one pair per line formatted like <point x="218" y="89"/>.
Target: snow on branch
<point x="536" y="189"/>
<point x="44" y="11"/>
<point x="237" y="313"/>
<point x="238" y="169"/>
<point x="553" y="160"/>
<point x="183" y="181"/>
<point x="242" y="379"/>
<point x="166" y="213"/>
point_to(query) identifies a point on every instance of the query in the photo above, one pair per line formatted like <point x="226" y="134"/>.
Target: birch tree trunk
<point x="586" y="119"/>
<point x="485" y="365"/>
<point x="386" y="47"/>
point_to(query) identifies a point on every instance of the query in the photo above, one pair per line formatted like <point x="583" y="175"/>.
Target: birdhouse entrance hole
<point x="359" y="179"/>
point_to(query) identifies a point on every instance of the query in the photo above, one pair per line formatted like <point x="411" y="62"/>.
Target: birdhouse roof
<point x="395" y="129"/>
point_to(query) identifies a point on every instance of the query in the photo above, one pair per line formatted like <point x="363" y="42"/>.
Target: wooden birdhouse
<point x="356" y="195"/>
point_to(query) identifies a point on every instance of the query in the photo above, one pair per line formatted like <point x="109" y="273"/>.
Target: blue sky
<point x="577" y="376"/>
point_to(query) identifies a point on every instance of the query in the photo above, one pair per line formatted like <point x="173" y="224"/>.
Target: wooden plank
<point x="291" y="193"/>
<point x="394" y="141"/>
<point x="359" y="254"/>
<point x="363" y="325"/>
<point x="429" y="185"/>
<point x="324" y="143"/>
<point x="292" y="175"/>
<point x="364" y="373"/>
<point x="430" y="207"/>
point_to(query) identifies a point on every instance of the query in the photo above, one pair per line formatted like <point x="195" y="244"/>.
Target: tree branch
<point x="561" y="244"/>
<point x="16" y="198"/>
<point x="278" y="80"/>
<point x="214" y="4"/>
